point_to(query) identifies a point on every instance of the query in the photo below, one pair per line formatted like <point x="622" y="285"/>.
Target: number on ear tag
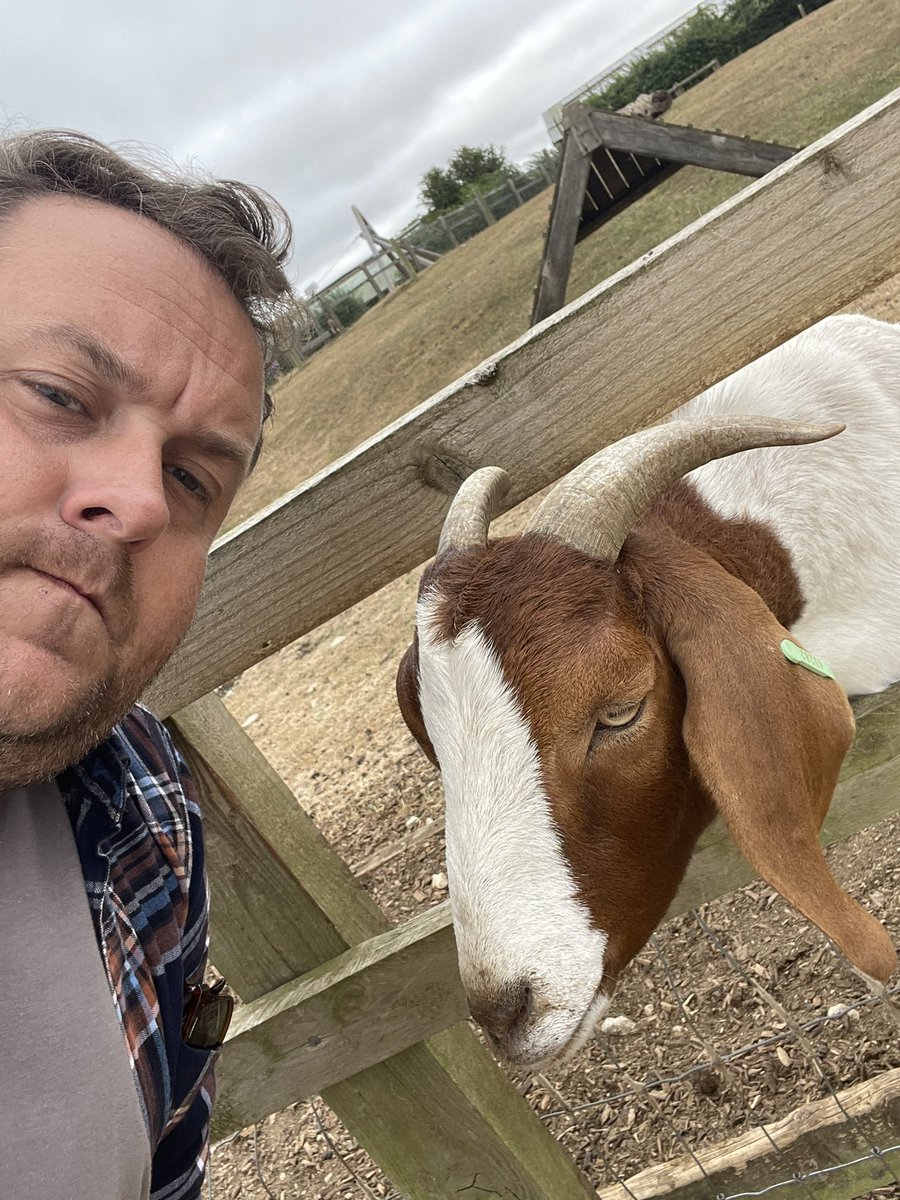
<point x="803" y="658"/>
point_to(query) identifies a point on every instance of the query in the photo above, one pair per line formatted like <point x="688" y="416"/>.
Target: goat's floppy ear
<point x="408" y="698"/>
<point x="766" y="738"/>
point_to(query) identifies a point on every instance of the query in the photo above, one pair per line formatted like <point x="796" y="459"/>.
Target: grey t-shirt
<point x="71" y="1126"/>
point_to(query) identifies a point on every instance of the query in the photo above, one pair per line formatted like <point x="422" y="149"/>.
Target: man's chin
<point x="50" y="719"/>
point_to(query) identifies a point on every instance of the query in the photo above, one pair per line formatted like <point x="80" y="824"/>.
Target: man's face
<point x="130" y="404"/>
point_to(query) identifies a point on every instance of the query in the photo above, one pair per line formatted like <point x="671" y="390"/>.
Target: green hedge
<point x="706" y="35"/>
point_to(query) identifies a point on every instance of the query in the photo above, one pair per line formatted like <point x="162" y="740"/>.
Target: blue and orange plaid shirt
<point x="134" y="811"/>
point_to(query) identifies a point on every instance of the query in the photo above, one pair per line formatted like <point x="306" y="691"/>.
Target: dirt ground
<point x="708" y="1055"/>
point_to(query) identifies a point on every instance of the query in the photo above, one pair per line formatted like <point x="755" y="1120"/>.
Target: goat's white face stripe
<point x="511" y="890"/>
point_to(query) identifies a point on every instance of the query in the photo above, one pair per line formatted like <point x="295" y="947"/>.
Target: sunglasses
<point x="207" y="1015"/>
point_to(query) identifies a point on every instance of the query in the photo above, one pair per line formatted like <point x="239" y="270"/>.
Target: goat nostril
<point x="499" y="1016"/>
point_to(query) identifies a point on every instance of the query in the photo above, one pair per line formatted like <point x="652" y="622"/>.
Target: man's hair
<point x="241" y="231"/>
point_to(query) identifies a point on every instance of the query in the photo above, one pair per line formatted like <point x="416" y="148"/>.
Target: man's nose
<point x="118" y="491"/>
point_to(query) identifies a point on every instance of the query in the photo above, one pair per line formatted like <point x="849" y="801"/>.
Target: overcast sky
<point x="324" y="104"/>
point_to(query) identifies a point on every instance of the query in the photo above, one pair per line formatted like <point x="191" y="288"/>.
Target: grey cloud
<point x="323" y="105"/>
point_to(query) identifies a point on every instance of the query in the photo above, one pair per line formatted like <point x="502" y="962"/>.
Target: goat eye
<point x="619" y="716"/>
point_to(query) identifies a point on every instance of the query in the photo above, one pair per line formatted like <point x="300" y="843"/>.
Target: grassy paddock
<point x="791" y="89"/>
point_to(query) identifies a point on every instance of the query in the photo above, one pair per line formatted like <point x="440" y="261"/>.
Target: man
<point x="137" y="315"/>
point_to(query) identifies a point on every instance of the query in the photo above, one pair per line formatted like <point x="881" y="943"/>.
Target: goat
<point x="597" y="689"/>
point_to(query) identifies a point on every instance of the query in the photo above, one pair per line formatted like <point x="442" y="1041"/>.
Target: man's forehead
<point x="105" y="255"/>
<point x="131" y="301"/>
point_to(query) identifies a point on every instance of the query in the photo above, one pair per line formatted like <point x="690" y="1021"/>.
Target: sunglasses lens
<point x="210" y="1022"/>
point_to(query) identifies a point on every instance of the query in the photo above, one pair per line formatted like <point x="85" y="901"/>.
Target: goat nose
<point x="500" y="1014"/>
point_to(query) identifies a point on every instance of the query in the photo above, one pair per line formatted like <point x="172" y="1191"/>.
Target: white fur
<point x="512" y="893"/>
<point x="835" y="505"/>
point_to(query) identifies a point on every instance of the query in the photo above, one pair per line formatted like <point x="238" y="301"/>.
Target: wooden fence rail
<point x="829" y="1134"/>
<point x="336" y="1001"/>
<point x="679" y="143"/>
<point x="777" y="256"/>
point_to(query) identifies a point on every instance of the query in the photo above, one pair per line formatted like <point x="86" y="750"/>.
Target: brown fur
<point x="691" y="617"/>
<point x="746" y="549"/>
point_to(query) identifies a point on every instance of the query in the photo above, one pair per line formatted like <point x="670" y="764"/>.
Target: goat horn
<point x="469" y="516"/>
<point x="595" y="506"/>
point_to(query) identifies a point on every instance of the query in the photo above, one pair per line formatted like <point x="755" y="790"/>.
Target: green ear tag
<point x="803" y="658"/>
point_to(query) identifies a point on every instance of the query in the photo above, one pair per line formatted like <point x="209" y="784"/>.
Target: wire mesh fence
<point x="753" y="1062"/>
<point x="441" y="233"/>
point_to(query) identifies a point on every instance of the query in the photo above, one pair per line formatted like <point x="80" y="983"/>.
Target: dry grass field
<point x="323" y="709"/>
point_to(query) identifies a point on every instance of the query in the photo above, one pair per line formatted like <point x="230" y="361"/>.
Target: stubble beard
<point x="88" y="718"/>
<point x="89" y="713"/>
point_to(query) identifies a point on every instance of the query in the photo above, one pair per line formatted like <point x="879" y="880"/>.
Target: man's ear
<point x="766" y="738"/>
<point x="408" y="698"/>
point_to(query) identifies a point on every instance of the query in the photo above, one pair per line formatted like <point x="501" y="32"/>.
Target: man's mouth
<point x="73" y="589"/>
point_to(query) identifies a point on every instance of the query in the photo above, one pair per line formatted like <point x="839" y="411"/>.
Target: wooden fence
<point x="336" y="306"/>
<point x="457" y="225"/>
<point x="336" y="1002"/>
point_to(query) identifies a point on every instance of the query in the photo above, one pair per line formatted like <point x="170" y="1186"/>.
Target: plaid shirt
<point x="134" y="811"/>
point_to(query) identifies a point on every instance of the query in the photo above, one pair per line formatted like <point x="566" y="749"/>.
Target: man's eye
<point x="58" y="397"/>
<point x="190" y="483"/>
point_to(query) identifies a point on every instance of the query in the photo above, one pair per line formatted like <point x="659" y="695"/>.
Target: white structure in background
<point x="553" y="116"/>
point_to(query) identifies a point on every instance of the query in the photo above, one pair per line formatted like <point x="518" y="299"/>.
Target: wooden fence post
<point x="448" y="229"/>
<point x="482" y="207"/>
<point x="565" y="214"/>
<point x="438" y="1117"/>
<point x="380" y="291"/>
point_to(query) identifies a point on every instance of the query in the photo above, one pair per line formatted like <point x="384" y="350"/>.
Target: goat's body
<point x="835" y="506"/>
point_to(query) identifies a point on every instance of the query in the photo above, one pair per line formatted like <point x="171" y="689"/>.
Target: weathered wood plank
<point x="348" y="1014"/>
<point x="403" y="985"/>
<point x="444" y="1121"/>
<point x="679" y="143"/>
<point x="785" y="251"/>
<point x="565" y="214"/>
<point x="606" y="168"/>
<point x="802" y="1139"/>
<point x="266" y="929"/>
<point x="432" y="1115"/>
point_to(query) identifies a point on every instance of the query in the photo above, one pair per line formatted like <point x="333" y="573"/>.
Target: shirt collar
<point x="101" y="775"/>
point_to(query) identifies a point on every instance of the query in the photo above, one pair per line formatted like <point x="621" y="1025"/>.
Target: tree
<point x="472" y="164"/>
<point x="706" y="34"/>
<point x="440" y="191"/>
<point x="542" y="162"/>
<point x="472" y="168"/>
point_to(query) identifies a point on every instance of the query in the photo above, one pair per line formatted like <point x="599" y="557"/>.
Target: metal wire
<point x="815" y="1174"/>
<point x="342" y="1158"/>
<point x="712" y="1050"/>
<point x="258" y="1166"/>
<point x="731" y="1056"/>
<point x="811" y="1054"/>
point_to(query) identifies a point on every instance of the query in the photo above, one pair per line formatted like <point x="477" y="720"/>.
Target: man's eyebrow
<point x="223" y="446"/>
<point x="105" y="361"/>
